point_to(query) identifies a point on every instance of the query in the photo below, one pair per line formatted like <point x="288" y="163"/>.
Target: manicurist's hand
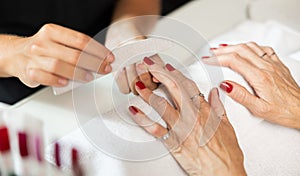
<point x="198" y="133"/>
<point x="276" y="96"/>
<point x="53" y="56"/>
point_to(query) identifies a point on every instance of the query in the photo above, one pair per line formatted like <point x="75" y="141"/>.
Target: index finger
<point x="174" y="87"/>
<point x="77" y="40"/>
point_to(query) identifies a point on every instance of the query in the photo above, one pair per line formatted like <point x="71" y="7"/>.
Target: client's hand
<point x="127" y="77"/>
<point x="276" y="95"/>
<point x="198" y="133"/>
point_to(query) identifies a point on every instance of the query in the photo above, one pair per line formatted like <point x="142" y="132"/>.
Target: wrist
<point x="10" y="48"/>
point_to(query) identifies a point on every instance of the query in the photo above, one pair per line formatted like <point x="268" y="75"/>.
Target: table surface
<point x="209" y="17"/>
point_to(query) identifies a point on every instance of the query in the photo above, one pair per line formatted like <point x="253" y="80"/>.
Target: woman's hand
<point x="198" y="133"/>
<point x="276" y="95"/>
<point x="54" y="55"/>
<point x="128" y="76"/>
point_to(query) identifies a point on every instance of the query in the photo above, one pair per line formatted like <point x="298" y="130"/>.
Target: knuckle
<point x="32" y="74"/>
<point x="82" y="40"/>
<point x="262" y="110"/>
<point x="252" y="43"/>
<point x="47" y="28"/>
<point x="54" y="65"/>
<point x="75" y="58"/>
<point x="243" y="47"/>
<point x="235" y="56"/>
<point x="157" y="101"/>
<point x="35" y="47"/>
<point x="155" y="130"/>
<point x="269" y="50"/>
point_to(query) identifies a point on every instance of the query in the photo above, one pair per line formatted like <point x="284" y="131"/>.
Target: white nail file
<point x="124" y="56"/>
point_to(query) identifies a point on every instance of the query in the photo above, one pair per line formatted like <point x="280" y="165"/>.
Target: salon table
<point x="211" y="18"/>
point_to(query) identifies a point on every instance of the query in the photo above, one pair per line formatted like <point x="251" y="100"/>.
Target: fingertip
<point x="140" y="85"/>
<point x="62" y="81"/>
<point x="133" y="110"/>
<point x="107" y="68"/>
<point x="110" y="57"/>
<point x="148" y="61"/>
<point x="170" y="67"/>
<point x="226" y="86"/>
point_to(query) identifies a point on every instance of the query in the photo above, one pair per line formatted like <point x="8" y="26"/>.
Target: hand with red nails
<point x="53" y="56"/>
<point x="276" y="96"/>
<point x="198" y="133"/>
<point x="127" y="77"/>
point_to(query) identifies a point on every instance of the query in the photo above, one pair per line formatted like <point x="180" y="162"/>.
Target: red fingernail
<point x="140" y="85"/>
<point x="226" y="86"/>
<point x="213" y="48"/>
<point x="57" y="154"/>
<point x="23" y="144"/>
<point x="4" y="140"/>
<point x="170" y="67"/>
<point x="205" y="57"/>
<point x="133" y="110"/>
<point x="74" y="157"/>
<point x="223" y="45"/>
<point x="148" y="61"/>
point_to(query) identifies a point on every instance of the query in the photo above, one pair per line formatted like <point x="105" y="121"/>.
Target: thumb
<point x="241" y="95"/>
<point x="216" y="103"/>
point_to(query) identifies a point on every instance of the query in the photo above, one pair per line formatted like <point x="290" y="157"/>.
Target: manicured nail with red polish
<point x="223" y="45"/>
<point x="4" y="140"/>
<point x="23" y="144"/>
<point x="213" y="48"/>
<point x="170" y="67"/>
<point x="133" y="110"/>
<point x="74" y="157"/>
<point x="148" y="61"/>
<point x="57" y="154"/>
<point x="140" y="85"/>
<point x="226" y="86"/>
<point x="205" y="57"/>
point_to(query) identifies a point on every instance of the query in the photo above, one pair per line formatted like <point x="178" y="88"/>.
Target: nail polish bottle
<point x="6" y="159"/>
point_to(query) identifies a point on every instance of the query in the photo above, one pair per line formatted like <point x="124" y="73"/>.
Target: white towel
<point x="269" y="149"/>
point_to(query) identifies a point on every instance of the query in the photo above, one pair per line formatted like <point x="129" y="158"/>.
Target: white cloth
<point x="268" y="149"/>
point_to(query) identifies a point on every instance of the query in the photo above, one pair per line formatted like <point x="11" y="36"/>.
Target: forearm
<point x="125" y="27"/>
<point x="131" y="8"/>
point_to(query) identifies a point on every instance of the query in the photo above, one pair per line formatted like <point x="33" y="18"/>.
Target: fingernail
<point x="4" y="140"/>
<point x="140" y="85"/>
<point x="170" y="67"/>
<point x="133" y="110"/>
<point x="148" y="61"/>
<point x="205" y="57"/>
<point x="62" y="82"/>
<point x="223" y="45"/>
<point x="22" y="137"/>
<point x="57" y="154"/>
<point x="89" y="77"/>
<point x="226" y="86"/>
<point x="107" y="69"/>
<point x="213" y="48"/>
<point x="74" y="157"/>
<point x="110" y="58"/>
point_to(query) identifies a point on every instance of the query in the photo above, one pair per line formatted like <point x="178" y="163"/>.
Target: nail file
<point x="126" y="55"/>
